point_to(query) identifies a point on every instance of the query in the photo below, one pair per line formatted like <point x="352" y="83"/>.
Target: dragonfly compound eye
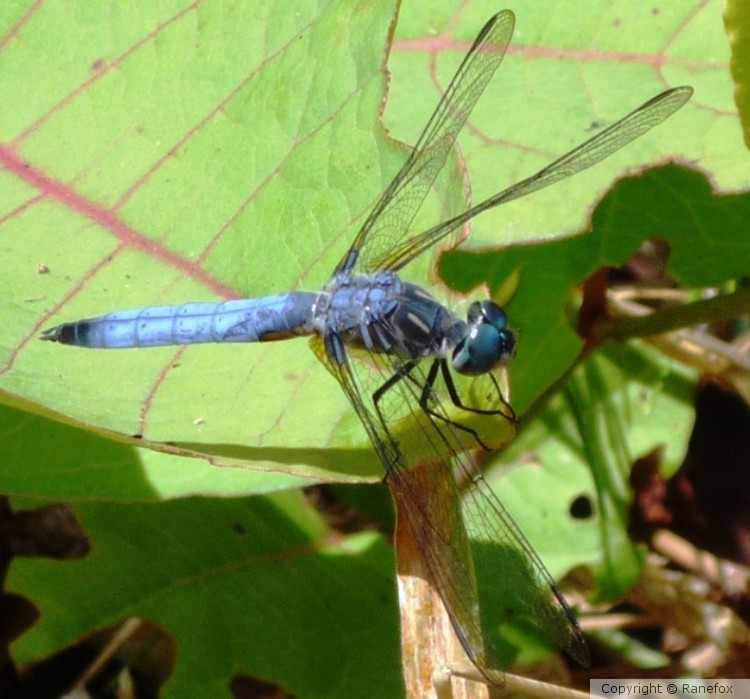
<point x="488" y="344"/>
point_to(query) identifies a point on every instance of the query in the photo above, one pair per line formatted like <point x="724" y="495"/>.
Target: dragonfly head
<point x="488" y="344"/>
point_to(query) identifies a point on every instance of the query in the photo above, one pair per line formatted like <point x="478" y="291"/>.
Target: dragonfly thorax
<point x="383" y="313"/>
<point x="486" y="341"/>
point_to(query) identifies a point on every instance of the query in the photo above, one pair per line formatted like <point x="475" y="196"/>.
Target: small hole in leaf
<point x="581" y="507"/>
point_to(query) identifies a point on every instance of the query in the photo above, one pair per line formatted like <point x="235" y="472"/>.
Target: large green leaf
<point x="737" y="21"/>
<point x="45" y="458"/>
<point x="217" y="150"/>
<point x="245" y="587"/>
<point x="214" y="150"/>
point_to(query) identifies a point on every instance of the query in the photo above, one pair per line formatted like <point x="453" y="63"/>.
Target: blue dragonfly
<point x="397" y="353"/>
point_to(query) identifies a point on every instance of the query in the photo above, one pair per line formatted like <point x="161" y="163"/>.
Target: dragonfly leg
<point x="403" y="371"/>
<point x="427" y="393"/>
<point x="506" y="411"/>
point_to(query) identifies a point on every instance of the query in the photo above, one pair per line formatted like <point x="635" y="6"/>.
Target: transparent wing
<point x="405" y="436"/>
<point x="392" y="216"/>
<point x="593" y="151"/>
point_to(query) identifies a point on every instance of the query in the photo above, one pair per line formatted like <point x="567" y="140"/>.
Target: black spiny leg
<point x="427" y="393"/>
<point x="403" y="370"/>
<point x="456" y="399"/>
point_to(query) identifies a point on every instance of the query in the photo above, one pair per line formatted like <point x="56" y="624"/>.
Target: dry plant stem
<point x="706" y="352"/>
<point x="126" y="630"/>
<point x="434" y="662"/>
<point x="610" y="621"/>
<point x="515" y="684"/>
<point x="662" y="327"/>
<point x="730" y="577"/>
<point x="707" y="311"/>
<point x="429" y="646"/>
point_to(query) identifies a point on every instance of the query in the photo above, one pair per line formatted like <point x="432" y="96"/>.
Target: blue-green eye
<point x="488" y="342"/>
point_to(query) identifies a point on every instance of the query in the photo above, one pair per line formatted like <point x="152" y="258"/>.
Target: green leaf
<point x="737" y="22"/>
<point x="48" y="459"/>
<point x="244" y="586"/>
<point x="174" y="164"/>
<point x="569" y="72"/>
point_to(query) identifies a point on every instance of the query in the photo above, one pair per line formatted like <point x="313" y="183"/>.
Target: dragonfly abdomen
<point x="243" y="320"/>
